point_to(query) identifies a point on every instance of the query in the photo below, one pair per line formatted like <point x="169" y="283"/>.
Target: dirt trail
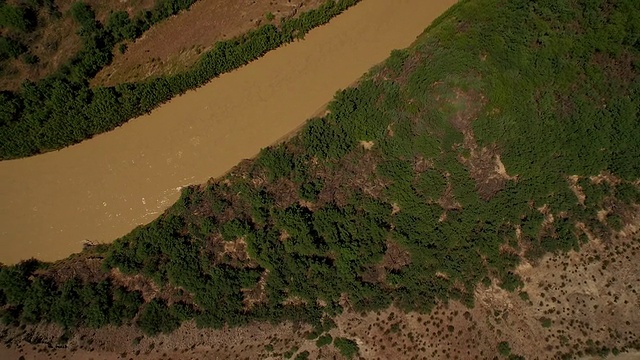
<point x="102" y="188"/>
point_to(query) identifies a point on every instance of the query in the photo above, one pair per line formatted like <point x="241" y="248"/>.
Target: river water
<point x="104" y="187"/>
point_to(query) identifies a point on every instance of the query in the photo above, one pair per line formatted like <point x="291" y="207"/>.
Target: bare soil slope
<point x="178" y="42"/>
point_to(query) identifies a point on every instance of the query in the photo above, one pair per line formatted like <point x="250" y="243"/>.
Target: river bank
<point x="102" y="188"/>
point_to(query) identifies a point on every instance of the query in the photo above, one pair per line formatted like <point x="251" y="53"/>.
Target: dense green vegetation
<point x="550" y="86"/>
<point x="348" y="348"/>
<point x="33" y="298"/>
<point x="15" y="21"/>
<point x="63" y="109"/>
<point x="10" y="48"/>
<point x="324" y="340"/>
<point x="18" y="18"/>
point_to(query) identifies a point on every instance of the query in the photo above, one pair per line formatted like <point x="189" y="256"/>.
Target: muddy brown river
<point x="104" y="187"/>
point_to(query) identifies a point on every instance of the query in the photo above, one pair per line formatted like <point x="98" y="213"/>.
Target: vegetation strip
<point x="63" y="109"/>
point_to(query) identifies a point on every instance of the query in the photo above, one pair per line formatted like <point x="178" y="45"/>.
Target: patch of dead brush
<point x="355" y="171"/>
<point x="284" y="192"/>
<point x="421" y="164"/>
<point x="402" y="75"/>
<point x="447" y="201"/>
<point x="605" y="177"/>
<point x="619" y="70"/>
<point x="396" y="256"/>
<point x="233" y="253"/>
<point x="257" y="294"/>
<point x="149" y="289"/>
<point x="488" y="171"/>
<point x="484" y="163"/>
<point x="546" y="228"/>
<point x="85" y="266"/>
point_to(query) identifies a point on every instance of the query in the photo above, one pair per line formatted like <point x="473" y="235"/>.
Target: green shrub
<point x="504" y="348"/>
<point x="17" y="17"/>
<point x="348" y="348"/>
<point x="289" y="353"/>
<point x="310" y="190"/>
<point x="324" y="340"/>
<point x="121" y="27"/>
<point x="30" y="59"/>
<point x="524" y="296"/>
<point x="511" y="281"/>
<point x="276" y="161"/>
<point x="269" y="16"/>
<point x="545" y="322"/>
<point x="156" y="318"/>
<point x="85" y="17"/>
<point x="10" y="48"/>
<point x="234" y="229"/>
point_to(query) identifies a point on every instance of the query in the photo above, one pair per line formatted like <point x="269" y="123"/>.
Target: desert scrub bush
<point x="504" y="348"/>
<point x="545" y="322"/>
<point x="348" y="348"/>
<point x="156" y="318"/>
<point x="324" y="340"/>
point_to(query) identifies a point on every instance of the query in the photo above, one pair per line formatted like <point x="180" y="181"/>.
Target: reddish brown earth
<point x="177" y="43"/>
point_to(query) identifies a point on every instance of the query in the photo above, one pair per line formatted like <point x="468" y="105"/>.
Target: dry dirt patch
<point x="177" y="43"/>
<point x="356" y="171"/>
<point x="367" y="145"/>
<point x="576" y="188"/>
<point x="570" y="302"/>
<point x="85" y="266"/>
<point x="396" y="257"/>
